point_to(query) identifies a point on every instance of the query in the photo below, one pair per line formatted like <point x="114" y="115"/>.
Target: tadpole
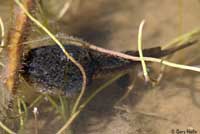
<point x="47" y="68"/>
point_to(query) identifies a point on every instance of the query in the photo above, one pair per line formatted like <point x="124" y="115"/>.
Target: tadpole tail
<point x="157" y="52"/>
<point x="108" y="64"/>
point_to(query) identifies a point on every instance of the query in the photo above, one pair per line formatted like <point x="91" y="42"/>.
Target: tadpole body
<point x="48" y="69"/>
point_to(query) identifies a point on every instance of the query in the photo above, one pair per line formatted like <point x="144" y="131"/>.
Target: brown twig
<point x="17" y="35"/>
<point x="78" y="42"/>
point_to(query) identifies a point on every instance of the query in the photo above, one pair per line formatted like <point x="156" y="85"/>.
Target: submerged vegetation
<point x="20" y="101"/>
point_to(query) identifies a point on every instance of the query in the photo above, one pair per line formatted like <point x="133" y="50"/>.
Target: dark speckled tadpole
<point x="49" y="70"/>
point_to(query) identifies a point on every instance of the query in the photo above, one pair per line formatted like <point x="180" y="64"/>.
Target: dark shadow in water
<point x="94" y="21"/>
<point x="101" y="107"/>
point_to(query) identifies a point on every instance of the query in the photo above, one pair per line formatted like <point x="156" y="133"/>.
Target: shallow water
<point x="173" y="104"/>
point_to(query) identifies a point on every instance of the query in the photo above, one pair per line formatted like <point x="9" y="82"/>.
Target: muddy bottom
<point x="171" y="106"/>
